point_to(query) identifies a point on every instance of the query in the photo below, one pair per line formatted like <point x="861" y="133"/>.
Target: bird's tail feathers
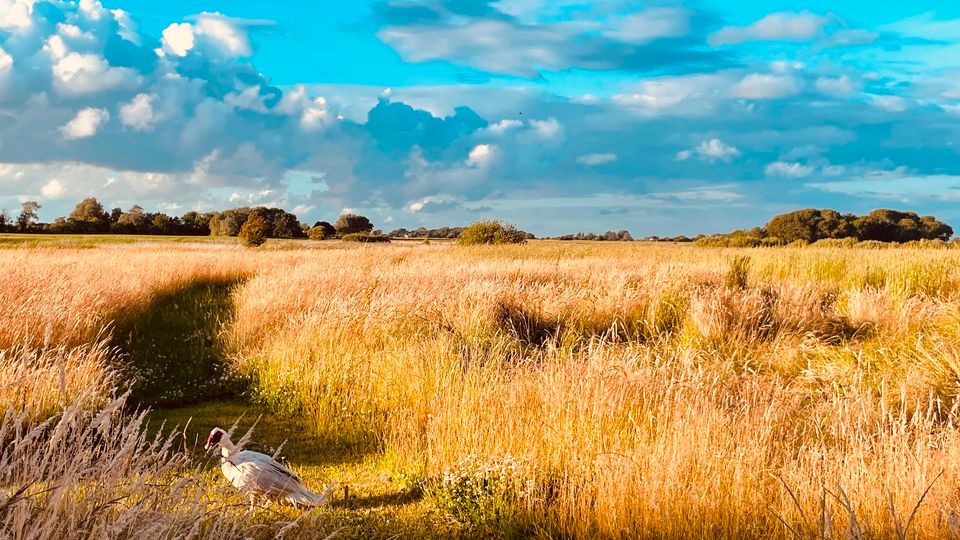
<point x="305" y="497"/>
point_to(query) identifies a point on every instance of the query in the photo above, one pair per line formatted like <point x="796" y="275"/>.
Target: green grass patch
<point x="172" y="354"/>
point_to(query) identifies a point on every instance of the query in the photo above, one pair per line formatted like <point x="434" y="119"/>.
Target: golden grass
<point x="632" y="389"/>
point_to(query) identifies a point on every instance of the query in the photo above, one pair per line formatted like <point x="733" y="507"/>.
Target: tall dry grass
<point x="97" y="473"/>
<point x="634" y="390"/>
<point x="561" y="389"/>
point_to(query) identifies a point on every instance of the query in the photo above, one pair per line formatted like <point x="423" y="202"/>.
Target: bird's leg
<point x="253" y="501"/>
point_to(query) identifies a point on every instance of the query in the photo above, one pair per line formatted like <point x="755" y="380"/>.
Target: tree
<point x="4" y="220"/>
<point x="322" y="230"/>
<point x="28" y="215"/>
<point x="352" y="223"/>
<point x="132" y="221"/>
<point x="254" y="231"/>
<point x="89" y="216"/>
<point x="798" y="225"/>
<point x="491" y="232"/>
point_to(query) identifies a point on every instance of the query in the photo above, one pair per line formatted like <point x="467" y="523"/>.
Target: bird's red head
<point x="214" y="438"/>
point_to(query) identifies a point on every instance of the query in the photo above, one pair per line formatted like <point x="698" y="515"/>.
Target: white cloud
<point x="654" y="23"/>
<point x="840" y="86"/>
<point x="140" y="113"/>
<point x="547" y="129"/>
<point x="225" y="32"/>
<point x="314" y="112"/>
<point x="504" y="126"/>
<point x="889" y="102"/>
<point x="127" y="29"/>
<point x="779" y="26"/>
<point x="16" y="15"/>
<point x="788" y="169"/>
<point x="78" y="74"/>
<point x="712" y="150"/>
<point x="491" y="45"/>
<point x="482" y="155"/>
<point x="178" y="39"/>
<point x="85" y="124"/>
<point x="763" y="86"/>
<point x="6" y="63"/>
<point x="438" y="201"/>
<point x="53" y="189"/>
<point x="596" y="159"/>
<point x="685" y="94"/>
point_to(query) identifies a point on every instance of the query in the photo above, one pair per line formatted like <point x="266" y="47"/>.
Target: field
<point x="552" y="389"/>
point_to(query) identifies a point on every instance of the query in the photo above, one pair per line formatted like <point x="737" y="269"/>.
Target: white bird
<point x="257" y="474"/>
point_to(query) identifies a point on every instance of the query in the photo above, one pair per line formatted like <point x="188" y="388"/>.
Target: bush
<point x="254" y="232"/>
<point x="319" y="233"/>
<point x="491" y="232"/>
<point x="352" y="223"/>
<point x="835" y="242"/>
<point x="364" y="237"/>
<point x="736" y="277"/>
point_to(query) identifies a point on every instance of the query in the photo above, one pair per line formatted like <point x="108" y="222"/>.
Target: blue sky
<point x="660" y="117"/>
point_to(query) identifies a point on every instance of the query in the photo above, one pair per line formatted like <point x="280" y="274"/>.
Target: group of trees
<point x="810" y="225"/>
<point x="89" y="217"/>
<point x="609" y="236"/>
<point x="277" y="223"/>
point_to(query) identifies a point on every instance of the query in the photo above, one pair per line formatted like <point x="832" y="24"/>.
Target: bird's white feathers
<point x="259" y="474"/>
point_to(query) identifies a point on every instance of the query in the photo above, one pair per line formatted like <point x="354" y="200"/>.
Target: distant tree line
<point x="90" y="217"/>
<point x="441" y="232"/>
<point x="812" y="225"/>
<point x="609" y="236"/>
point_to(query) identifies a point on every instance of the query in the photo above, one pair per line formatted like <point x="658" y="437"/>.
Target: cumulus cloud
<point x="6" y="63"/>
<point x="651" y="24"/>
<point x="85" y="124"/>
<point x="140" y="113"/>
<point x="79" y="74"/>
<point x="765" y="86"/>
<point x="178" y="39"/>
<point x="711" y="150"/>
<point x="889" y="102"/>
<point x="788" y="169"/>
<point x="839" y="86"/>
<point x="504" y="126"/>
<point x="547" y="129"/>
<point x="15" y="15"/>
<point x="54" y="189"/>
<point x="226" y="35"/>
<point x="596" y="159"/>
<point x="779" y="26"/>
<point x="492" y="40"/>
<point x="482" y="155"/>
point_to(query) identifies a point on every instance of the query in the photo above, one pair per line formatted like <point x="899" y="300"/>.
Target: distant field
<point x="552" y="389"/>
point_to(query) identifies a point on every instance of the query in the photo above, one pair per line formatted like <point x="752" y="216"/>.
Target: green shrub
<point x="319" y="233"/>
<point x="491" y="232"/>
<point x="872" y="244"/>
<point x="835" y="242"/>
<point x="736" y="277"/>
<point x="364" y="237"/>
<point x="254" y="231"/>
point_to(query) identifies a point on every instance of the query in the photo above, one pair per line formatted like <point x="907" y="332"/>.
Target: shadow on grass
<point x="172" y="354"/>
<point x="378" y="501"/>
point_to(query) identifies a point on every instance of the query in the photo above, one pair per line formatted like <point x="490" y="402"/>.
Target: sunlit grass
<point x="554" y="389"/>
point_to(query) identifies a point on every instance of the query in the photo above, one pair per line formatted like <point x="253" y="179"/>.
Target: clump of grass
<point x="738" y="274"/>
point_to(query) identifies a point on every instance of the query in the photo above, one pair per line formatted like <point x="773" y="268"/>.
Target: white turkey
<point x="257" y="474"/>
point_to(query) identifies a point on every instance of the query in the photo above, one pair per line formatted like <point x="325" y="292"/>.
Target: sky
<point x="660" y="117"/>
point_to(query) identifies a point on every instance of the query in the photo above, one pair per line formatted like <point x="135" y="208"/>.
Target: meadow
<point x="551" y="389"/>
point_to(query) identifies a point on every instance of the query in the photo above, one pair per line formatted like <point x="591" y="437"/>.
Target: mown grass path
<point x="177" y="365"/>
